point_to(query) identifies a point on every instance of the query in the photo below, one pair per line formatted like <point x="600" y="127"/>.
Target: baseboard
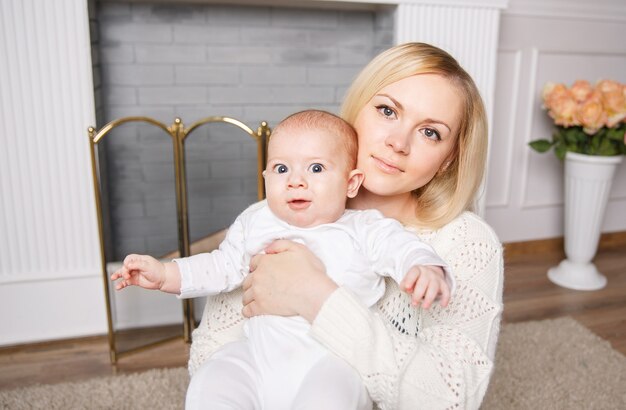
<point x="610" y="240"/>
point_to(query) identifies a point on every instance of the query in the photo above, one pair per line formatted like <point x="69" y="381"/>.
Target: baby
<point x="309" y="174"/>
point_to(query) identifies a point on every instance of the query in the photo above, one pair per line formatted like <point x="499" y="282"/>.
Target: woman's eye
<point x="432" y="133"/>
<point x="280" y="168"/>
<point x="316" y="168"/>
<point x="386" y="111"/>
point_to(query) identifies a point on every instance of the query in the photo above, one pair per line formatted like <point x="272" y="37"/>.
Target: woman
<point x="422" y="146"/>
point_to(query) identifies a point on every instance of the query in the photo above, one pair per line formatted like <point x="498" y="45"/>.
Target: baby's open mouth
<point x="298" y="204"/>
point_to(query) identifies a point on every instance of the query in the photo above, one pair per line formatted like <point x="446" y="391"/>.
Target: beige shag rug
<point x="550" y="364"/>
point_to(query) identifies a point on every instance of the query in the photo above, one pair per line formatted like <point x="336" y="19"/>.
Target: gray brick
<point x="383" y="39"/>
<point x="126" y="33"/>
<point x="116" y="53"/>
<point x="240" y="55"/>
<point x="261" y="75"/>
<point x="120" y="95"/>
<point x="307" y="55"/>
<point x="331" y="75"/>
<point x="170" y="54"/>
<point x="158" y="172"/>
<point x="106" y="10"/>
<point x="206" y="34"/>
<point x="193" y="113"/>
<point x="304" y="18"/>
<point x="357" y="20"/>
<point x="172" y="95"/>
<point x="233" y="169"/>
<point x="125" y="245"/>
<point x="162" y="208"/>
<point x="231" y="206"/>
<point x="128" y="227"/>
<point x="274" y="36"/>
<point x="162" y="114"/>
<point x="139" y="74"/>
<point x="384" y="18"/>
<point x="357" y="55"/>
<point x="272" y="113"/>
<point x="162" y="244"/>
<point x="340" y="38"/>
<point x="169" y="13"/>
<point x="239" y="95"/>
<point x="214" y="151"/>
<point x="306" y="95"/>
<point x="238" y="15"/>
<point x="207" y="75"/>
<point x="128" y="209"/>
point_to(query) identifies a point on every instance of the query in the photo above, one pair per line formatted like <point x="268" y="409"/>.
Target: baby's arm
<point x="147" y="272"/>
<point x="426" y="283"/>
<point x="400" y="254"/>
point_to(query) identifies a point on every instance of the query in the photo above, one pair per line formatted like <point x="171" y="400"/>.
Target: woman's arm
<point x="447" y="361"/>
<point x="288" y="280"/>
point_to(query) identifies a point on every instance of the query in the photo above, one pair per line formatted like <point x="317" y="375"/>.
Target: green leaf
<point x="540" y="145"/>
<point x="616" y="134"/>
<point x="560" y="151"/>
<point x="607" y="148"/>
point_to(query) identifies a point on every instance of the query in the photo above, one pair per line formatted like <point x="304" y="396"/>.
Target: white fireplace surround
<point x="48" y="230"/>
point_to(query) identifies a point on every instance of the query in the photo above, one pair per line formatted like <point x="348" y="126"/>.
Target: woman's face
<point x="407" y="131"/>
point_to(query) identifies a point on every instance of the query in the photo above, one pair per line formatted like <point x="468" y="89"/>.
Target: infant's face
<point x="306" y="178"/>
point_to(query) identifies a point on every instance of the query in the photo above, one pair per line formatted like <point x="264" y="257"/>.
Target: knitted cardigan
<point x="408" y="357"/>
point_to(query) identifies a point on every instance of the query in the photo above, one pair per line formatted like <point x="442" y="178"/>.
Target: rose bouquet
<point x="589" y="120"/>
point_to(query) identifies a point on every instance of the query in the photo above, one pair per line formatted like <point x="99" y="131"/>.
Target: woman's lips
<point x="298" y="204"/>
<point x="386" y="166"/>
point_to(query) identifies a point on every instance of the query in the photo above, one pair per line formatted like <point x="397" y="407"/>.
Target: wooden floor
<point x="528" y="295"/>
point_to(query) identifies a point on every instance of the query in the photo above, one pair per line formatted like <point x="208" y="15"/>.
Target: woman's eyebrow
<point x="434" y="121"/>
<point x="393" y="100"/>
<point x="401" y="107"/>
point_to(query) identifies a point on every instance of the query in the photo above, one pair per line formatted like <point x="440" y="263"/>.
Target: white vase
<point x="588" y="181"/>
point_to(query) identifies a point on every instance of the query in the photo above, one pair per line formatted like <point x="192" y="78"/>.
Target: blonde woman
<point x="422" y="135"/>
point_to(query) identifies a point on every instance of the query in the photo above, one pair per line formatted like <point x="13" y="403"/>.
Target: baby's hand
<point x="425" y="283"/>
<point x="140" y="270"/>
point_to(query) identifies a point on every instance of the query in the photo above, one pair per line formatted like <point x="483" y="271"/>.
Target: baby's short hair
<point x="318" y="119"/>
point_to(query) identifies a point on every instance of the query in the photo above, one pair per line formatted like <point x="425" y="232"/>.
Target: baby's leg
<point x="332" y="385"/>
<point x="228" y="380"/>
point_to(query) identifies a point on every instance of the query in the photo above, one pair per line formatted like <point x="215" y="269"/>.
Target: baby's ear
<point x="355" y="179"/>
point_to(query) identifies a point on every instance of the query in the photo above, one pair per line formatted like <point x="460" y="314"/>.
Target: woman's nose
<point x="399" y="141"/>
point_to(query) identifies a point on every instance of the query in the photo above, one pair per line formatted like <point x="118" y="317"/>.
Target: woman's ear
<point x="355" y="179"/>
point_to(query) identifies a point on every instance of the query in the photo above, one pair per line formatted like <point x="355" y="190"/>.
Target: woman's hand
<point x="288" y="280"/>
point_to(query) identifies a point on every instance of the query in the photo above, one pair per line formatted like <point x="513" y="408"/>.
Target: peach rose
<point x="563" y="109"/>
<point x="591" y="114"/>
<point x="581" y="90"/>
<point x="552" y="92"/>
<point x="614" y="100"/>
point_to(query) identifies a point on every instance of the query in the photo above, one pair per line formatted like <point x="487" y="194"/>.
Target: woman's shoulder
<point x="469" y="225"/>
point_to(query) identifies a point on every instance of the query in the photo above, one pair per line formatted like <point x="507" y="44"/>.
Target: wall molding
<point x="567" y="9"/>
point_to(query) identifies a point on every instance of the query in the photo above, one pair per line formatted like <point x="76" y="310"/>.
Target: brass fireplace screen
<point x="178" y="134"/>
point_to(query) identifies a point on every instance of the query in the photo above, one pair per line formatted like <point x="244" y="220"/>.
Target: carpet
<point x="550" y="364"/>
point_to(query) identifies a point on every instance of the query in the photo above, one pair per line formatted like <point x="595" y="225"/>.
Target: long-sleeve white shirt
<point x="409" y="357"/>
<point x="358" y="251"/>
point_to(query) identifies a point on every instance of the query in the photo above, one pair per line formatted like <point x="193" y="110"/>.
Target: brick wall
<point x="194" y="61"/>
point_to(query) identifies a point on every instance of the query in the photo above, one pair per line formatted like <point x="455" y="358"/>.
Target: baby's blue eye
<point x="280" y="168"/>
<point x="316" y="168"/>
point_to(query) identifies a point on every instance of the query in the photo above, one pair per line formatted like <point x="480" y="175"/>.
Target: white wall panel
<point x="557" y="49"/>
<point x="48" y="229"/>
<point x="503" y="132"/>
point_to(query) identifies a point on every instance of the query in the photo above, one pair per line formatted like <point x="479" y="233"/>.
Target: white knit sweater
<point x="409" y="358"/>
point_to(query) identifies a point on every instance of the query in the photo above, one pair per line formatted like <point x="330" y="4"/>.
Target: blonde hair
<point x="454" y="188"/>
<point x="331" y="123"/>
